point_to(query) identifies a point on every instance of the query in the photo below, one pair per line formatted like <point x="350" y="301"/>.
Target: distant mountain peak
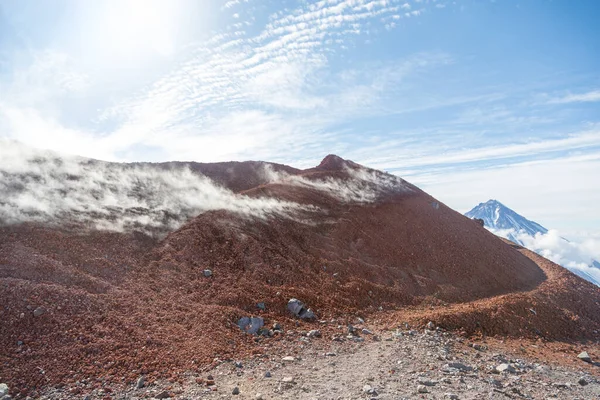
<point x="496" y="215"/>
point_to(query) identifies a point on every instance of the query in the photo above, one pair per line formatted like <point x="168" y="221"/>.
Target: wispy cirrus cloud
<point x="587" y="97"/>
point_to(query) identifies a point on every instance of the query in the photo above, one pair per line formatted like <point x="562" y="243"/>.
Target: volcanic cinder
<point x="121" y="300"/>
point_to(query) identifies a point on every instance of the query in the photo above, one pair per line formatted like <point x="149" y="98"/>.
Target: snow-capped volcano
<point x="497" y="216"/>
<point x="508" y="224"/>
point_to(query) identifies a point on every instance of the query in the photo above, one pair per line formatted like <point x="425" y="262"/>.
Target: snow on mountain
<point x="504" y="222"/>
<point x="499" y="217"/>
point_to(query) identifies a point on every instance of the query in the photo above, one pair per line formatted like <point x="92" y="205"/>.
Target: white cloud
<point x="43" y="186"/>
<point x="575" y="256"/>
<point x="591" y="96"/>
<point x="556" y="192"/>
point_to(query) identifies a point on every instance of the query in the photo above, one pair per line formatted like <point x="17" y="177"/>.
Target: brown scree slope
<point x="118" y="305"/>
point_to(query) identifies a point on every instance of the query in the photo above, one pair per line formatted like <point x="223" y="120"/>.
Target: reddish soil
<point x="121" y="304"/>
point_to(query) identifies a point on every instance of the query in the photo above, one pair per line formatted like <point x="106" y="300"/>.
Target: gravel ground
<point x="409" y="364"/>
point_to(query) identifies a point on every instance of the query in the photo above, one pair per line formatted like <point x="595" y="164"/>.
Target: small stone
<point x="365" y="331"/>
<point x="251" y="325"/>
<point x="360" y="320"/>
<point x="276" y="326"/>
<point x="3" y="389"/>
<point x="495" y="382"/>
<point x="259" y="396"/>
<point x="505" y="367"/>
<point x="456" y="366"/>
<point x="427" y="382"/>
<point x="39" y="311"/>
<point x="584" y="356"/>
<point x="368" y="389"/>
<point x="261" y="306"/>
<point x="422" y="389"/>
<point x="22" y="315"/>
<point x="288" y="359"/>
<point x="238" y="364"/>
<point x="207" y="273"/>
<point x="330" y="354"/>
<point x="451" y="396"/>
<point x="268" y="374"/>
<point x="235" y="391"/>
<point x="288" y="379"/>
<point x="140" y="382"/>
<point x="582" y="381"/>
<point x="298" y="308"/>
<point x="314" y="333"/>
<point x="163" y="395"/>
<point x="430" y="326"/>
<point x="19" y="343"/>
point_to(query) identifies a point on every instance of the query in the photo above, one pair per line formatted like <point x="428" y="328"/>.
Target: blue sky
<point x="470" y="100"/>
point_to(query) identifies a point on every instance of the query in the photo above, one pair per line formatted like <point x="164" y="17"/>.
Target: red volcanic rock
<point x="121" y="305"/>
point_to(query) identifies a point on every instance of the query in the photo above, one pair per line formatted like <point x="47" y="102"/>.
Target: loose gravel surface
<point x="404" y="364"/>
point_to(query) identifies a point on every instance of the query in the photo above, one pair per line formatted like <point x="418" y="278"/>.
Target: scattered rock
<point x="140" y="382"/>
<point x="207" y="273"/>
<point x="314" y="333"/>
<point x="163" y="395"/>
<point x="430" y="326"/>
<point x="251" y="325"/>
<point x="496" y="383"/>
<point x="427" y="382"/>
<point x="261" y="306"/>
<point x="368" y="389"/>
<point x="422" y="389"/>
<point x="456" y="366"/>
<point x="365" y="331"/>
<point x="288" y="359"/>
<point x="238" y="364"/>
<point x="3" y="389"/>
<point x="451" y="396"/>
<point x="259" y="396"/>
<point x="504" y="367"/>
<point x="39" y="311"/>
<point x="584" y="356"/>
<point x="582" y="381"/>
<point x="268" y="374"/>
<point x="297" y="308"/>
<point x="235" y="391"/>
<point x="330" y="354"/>
<point x="288" y="379"/>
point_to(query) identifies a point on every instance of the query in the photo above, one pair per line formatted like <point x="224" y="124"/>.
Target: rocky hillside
<point x="138" y="295"/>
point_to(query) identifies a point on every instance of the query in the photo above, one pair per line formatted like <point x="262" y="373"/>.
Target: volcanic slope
<point x="115" y="305"/>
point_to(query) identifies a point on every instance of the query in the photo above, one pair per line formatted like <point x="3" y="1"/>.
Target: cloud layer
<point x="43" y="186"/>
<point x="576" y="256"/>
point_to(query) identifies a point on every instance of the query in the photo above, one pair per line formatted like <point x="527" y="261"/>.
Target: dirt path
<point x="396" y="365"/>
